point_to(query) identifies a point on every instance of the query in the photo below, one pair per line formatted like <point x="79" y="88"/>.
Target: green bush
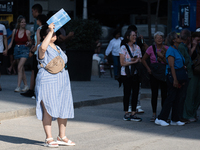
<point x="86" y="32"/>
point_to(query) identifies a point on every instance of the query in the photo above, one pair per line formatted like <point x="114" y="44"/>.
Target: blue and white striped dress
<point x="53" y="89"/>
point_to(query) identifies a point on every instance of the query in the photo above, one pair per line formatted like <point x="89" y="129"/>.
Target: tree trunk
<point x="149" y="22"/>
<point x="156" y="22"/>
<point x="85" y="16"/>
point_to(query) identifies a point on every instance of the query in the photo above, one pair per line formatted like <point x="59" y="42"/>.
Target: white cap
<point x="198" y="30"/>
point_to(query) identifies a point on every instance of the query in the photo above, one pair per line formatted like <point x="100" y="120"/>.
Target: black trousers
<point x="172" y="102"/>
<point x="130" y="84"/>
<point x="34" y="67"/>
<point x="155" y="84"/>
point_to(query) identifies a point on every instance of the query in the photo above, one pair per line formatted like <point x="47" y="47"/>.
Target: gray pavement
<point x="85" y="93"/>
<point x="102" y="128"/>
<point x="94" y="127"/>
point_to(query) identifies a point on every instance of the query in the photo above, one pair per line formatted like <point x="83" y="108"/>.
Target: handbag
<point x="158" y="69"/>
<point x="137" y="66"/>
<point x="55" y="65"/>
<point x="181" y="73"/>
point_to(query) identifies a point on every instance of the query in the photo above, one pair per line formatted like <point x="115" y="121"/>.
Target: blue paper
<point x="59" y="19"/>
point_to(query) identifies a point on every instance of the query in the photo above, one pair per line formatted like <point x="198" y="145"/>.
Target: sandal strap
<point x="46" y="140"/>
<point x="61" y="139"/>
<point x="69" y="141"/>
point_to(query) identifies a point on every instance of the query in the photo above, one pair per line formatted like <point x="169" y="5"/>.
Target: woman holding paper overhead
<point x="53" y="90"/>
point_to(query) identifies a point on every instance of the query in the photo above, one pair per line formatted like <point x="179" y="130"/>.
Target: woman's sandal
<point x="51" y="144"/>
<point x="62" y="142"/>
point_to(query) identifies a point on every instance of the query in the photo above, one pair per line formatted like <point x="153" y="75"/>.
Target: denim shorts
<point x="21" y="51"/>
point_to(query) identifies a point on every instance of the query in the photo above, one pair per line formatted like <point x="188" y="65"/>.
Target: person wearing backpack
<point x="130" y="55"/>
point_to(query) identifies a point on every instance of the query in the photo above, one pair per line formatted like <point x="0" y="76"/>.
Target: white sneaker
<point x="18" y="89"/>
<point x="161" y="122"/>
<point x="140" y="110"/>
<point x="129" y="109"/>
<point x="26" y="88"/>
<point x="179" y="123"/>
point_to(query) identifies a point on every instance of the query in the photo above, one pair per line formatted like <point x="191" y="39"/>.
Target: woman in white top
<point x="114" y="46"/>
<point x="129" y="75"/>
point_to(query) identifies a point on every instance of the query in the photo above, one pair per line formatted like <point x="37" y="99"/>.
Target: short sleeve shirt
<point x="178" y="58"/>
<point x="151" y="54"/>
<point x="135" y="52"/>
<point x="2" y="33"/>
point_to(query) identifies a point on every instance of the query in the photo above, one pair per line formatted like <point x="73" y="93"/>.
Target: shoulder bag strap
<point x="127" y="47"/>
<point x="180" y="55"/>
<point x="154" y="50"/>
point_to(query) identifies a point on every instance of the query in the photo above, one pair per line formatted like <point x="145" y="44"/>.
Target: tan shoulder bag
<point x="55" y="65"/>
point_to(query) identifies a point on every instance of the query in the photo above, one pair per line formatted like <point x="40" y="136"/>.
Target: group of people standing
<point x="172" y="66"/>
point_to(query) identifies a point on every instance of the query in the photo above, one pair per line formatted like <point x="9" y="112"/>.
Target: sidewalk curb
<point x="32" y="111"/>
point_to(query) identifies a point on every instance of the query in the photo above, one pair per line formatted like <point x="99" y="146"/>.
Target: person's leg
<point x="32" y="82"/>
<point x="139" y="107"/>
<point x="24" y="76"/>
<point x="163" y="87"/>
<point x="135" y="90"/>
<point x="172" y="91"/>
<point x="12" y="62"/>
<point x="127" y="92"/>
<point x="176" y="105"/>
<point x="46" y="121"/>
<point x="182" y="99"/>
<point x="154" y="90"/>
<point x="21" y="73"/>
<point x="197" y="99"/>
<point x="62" y="123"/>
<point x="192" y="91"/>
<point x="62" y="127"/>
<point x="116" y="65"/>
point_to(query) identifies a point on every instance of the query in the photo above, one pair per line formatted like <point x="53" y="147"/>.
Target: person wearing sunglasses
<point x="175" y="61"/>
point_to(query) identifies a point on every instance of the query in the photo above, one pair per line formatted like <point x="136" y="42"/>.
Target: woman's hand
<point x="51" y="27"/>
<point x="5" y="52"/>
<point x="28" y="43"/>
<point x="133" y="59"/>
<point x="175" y="83"/>
<point x="149" y="70"/>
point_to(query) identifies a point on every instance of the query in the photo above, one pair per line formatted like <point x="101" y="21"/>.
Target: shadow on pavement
<point x="18" y="140"/>
<point x="112" y="114"/>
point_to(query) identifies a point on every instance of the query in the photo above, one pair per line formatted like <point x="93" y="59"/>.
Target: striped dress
<point x="53" y="89"/>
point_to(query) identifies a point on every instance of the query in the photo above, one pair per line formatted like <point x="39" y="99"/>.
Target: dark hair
<point x="170" y="37"/>
<point x="12" y="25"/>
<point x="43" y="32"/>
<point x="49" y="14"/>
<point x="185" y="33"/>
<point x="19" y="19"/>
<point x="38" y="7"/>
<point x="116" y="32"/>
<point x="196" y="34"/>
<point x="42" y="18"/>
<point x="126" y="40"/>
<point x="132" y="27"/>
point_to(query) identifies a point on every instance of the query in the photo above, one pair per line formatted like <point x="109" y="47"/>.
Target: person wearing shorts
<point x="3" y="44"/>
